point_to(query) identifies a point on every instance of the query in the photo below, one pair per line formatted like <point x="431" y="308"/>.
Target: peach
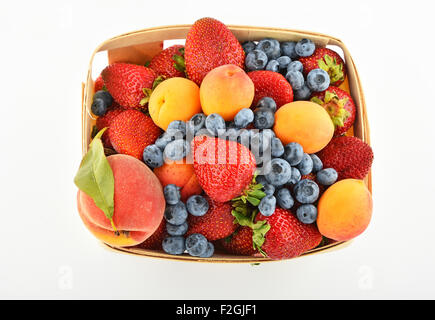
<point x="306" y="123"/>
<point x="180" y="174"/>
<point x="139" y="204"/>
<point x="226" y="90"/>
<point x="344" y="210"/>
<point x="174" y="99"/>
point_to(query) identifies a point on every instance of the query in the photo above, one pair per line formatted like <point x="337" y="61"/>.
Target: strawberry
<point x="328" y="60"/>
<point x="271" y="84"/>
<point x="131" y="131"/>
<point x="349" y="156"/>
<point x="129" y="84"/>
<point x="217" y="223"/>
<point x="99" y="83"/>
<point x="224" y="168"/>
<point x="210" y="44"/>
<point x="155" y="240"/>
<point x="340" y="107"/>
<point x="170" y="62"/>
<point x="287" y="237"/>
<point x="106" y="120"/>
<point x="240" y="242"/>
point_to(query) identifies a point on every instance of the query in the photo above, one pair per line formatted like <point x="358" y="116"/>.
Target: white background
<point x="45" y="251"/>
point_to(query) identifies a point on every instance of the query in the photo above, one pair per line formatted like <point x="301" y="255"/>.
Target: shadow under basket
<point x="140" y="46"/>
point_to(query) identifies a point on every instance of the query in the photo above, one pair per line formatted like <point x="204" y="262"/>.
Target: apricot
<point x="344" y="210"/>
<point x="306" y="123"/>
<point x="180" y="174"/>
<point x="226" y="90"/>
<point x="174" y="99"/>
<point x="139" y="204"/>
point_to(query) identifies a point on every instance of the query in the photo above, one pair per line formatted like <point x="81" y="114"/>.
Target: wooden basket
<point x="140" y="46"/>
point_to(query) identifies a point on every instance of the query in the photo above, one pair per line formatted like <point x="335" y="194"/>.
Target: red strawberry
<point x="99" y="83"/>
<point x="131" y="131"/>
<point x="129" y="84"/>
<point x="287" y="237"/>
<point x="340" y="107"/>
<point x="210" y="44"/>
<point x="216" y="224"/>
<point x="106" y="120"/>
<point x="224" y="169"/>
<point x="154" y="242"/>
<point x="349" y="156"/>
<point x="328" y="60"/>
<point x="170" y="62"/>
<point x="271" y="84"/>
<point x="240" y="242"/>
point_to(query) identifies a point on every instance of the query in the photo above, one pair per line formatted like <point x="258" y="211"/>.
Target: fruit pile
<point x="244" y="148"/>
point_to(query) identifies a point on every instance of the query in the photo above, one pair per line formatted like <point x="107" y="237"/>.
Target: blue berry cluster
<point x="283" y="184"/>
<point x="101" y="102"/>
<point x="272" y="55"/>
<point x="176" y="213"/>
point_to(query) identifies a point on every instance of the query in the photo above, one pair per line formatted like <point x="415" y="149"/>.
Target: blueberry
<point x="172" y="194"/>
<point x="305" y="48"/>
<point x="105" y="96"/>
<point x="295" y="177"/>
<point x="327" y="176"/>
<point x="270" y="47"/>
<point x="317" y="163"/>
<point x="209" y="251"/>
<point x="167" y="137"/>
<point x="307" y="213"/>
<point x="318" y="80"/>
<point x="283" y="62"/>
<point x="177" y="125"/>
<point x="261" y="140"/>
<point x="306" y="165"/>
<point x="272" y="65"/>
<point x="293" y="153"/>
<point x="278" y="172"/>
<point x="244" y="137"/>
<point x="284" y="198"/>
<point x="243" y="118"/>
<point x="175" y="230"/>
<point x="277" y="149"/>
<point x="174" y="245"/>
<point x="288" y="49"/>
<point x="99" y="107"/>
<point x="196" y="244"/>
<point x="264" y="118"/>
<point x="215" y="123"/>
<point x="296" y="79"/>
<point x="267" y="102"/>
<point x="232" y="134"/>
<point x="176" y="214"/>
<point x="176" y="150"/>
<point x="255" y="60"/>
<point x="306" y="191"/>
<point x="303" y="93"/>
<point x="261" y="180"/>
<point x="295" y="66"/>
<point x="248" y="46"/>
<point x="269" y="189"/>
<point x="197" y="205"/>
<point x="153" y="156"/>
<point x="267" y="206"/>
<point x="198" y="122"/>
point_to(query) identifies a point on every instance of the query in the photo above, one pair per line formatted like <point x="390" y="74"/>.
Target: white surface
<point x="47" y="253"/>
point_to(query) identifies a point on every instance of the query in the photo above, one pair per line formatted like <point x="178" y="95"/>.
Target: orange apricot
<point x="344" y="210"/>
<point x="226" y="90"/>
<point x="306" y="123"/>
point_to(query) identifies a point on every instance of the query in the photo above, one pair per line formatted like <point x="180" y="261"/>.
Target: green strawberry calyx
<point x="147" y="91"/>
<point x="245" y="210"/>
<point x="179" y="62"/>
<point x="334" y="70"/>
<point x="335" y="107"/>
